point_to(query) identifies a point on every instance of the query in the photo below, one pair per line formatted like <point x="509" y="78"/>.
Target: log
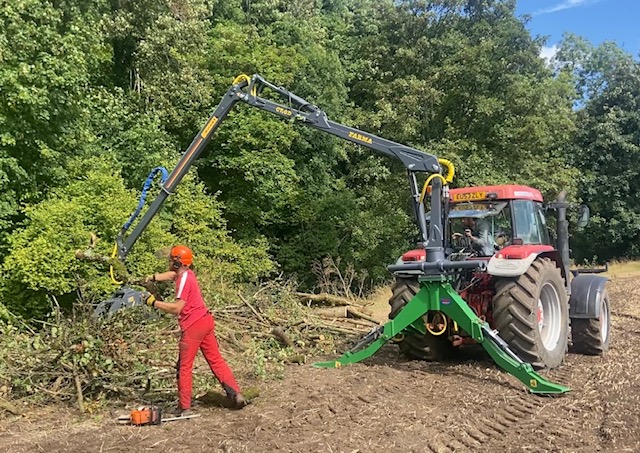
<point x="326" y="299"/>
<point x="356" y="314"/>
<point x="332" y="312"/>
<point x="344" y="330"/>
<point x="282" y="337"/>
<point x="7" y="406"/>
<point x="357" y="323"/>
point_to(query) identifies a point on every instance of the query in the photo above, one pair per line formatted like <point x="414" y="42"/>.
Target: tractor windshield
<point x="482" y="226"/>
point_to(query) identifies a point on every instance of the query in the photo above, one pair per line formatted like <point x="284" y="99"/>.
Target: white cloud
<point x="567" y="4"/>
<point x="548" y="53"/>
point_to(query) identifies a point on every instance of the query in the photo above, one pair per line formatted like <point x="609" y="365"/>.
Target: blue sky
<point x="595" y="20"/>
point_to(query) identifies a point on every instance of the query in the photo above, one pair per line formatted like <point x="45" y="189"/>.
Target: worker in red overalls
<point x="197" y="326"/>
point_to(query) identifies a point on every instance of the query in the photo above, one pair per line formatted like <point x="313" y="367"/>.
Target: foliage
<point x="48" y="57"/>
<point x="591" y="67"/>
<point x="608" y="153"/>
<point x="42" y="260"/>
<point x="96" y="94"/>
<point x="464" y="80"/>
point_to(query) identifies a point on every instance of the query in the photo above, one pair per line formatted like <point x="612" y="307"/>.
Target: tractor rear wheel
<point x="417" y="346"/>
<point x="531" y="313"/>
<point x="591" y="336"/>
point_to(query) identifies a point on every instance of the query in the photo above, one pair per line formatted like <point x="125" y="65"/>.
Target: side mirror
<point x="583" y="215"/>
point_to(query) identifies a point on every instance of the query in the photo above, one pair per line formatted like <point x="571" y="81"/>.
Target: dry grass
<point x="623" y="269"/>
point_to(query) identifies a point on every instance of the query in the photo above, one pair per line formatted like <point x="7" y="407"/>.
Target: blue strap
<point x="143" y="196"/>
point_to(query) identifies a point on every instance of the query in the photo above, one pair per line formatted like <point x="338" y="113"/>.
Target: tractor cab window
<point x="480" y="228"/>
<point x="529" y="222"/>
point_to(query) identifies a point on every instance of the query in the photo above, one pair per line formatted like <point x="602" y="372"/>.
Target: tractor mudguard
<point x="586" y="292"/>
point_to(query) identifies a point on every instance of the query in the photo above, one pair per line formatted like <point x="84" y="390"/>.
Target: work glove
<point x="149" y="299"/>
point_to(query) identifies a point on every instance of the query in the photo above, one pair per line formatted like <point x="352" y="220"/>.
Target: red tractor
<point x="527" y="293"/>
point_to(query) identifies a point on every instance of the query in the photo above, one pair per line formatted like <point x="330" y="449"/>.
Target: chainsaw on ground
<point x="151" y="415"/>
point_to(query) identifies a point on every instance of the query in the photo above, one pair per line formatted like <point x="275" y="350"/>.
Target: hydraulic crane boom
<point x="247" y="90"/>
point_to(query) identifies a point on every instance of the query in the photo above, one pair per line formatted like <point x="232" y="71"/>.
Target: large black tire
<point x="531" y="313"/>
<point x="414" y="346"/>
<point x="591" y="336"/>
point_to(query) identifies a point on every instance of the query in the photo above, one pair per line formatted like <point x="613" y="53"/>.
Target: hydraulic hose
<point x="426" y="184"/>
<point x="114" y="254"/>
<point x="451" y="170"/>
<point x="245" y="78"/>
<point x="143" y="198"/>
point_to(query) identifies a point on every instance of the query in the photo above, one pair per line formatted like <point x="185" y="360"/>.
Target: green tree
<point x="464" y="79"/>
<point x="48" y="58"/>
<point x="607" y="151"/>
<point x="590" y="66"/>
<point x="42" y="260"/>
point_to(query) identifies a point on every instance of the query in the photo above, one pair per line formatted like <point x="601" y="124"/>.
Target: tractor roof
<point x="506" y="192"/>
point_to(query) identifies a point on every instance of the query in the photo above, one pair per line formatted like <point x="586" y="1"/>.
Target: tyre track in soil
<point x="599" y="414"/>
<point x="520" y="422"/>
<point x="513" y="416"/>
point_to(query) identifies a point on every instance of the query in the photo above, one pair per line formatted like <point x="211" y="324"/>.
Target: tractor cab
<point x="483" y="220"/>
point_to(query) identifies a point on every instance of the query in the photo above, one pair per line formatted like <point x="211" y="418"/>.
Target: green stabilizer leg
<point x="513" y="365"/>
<point x="436" y="294"/>
<point x="457" y="309"/>
<point x="411" y="315"/>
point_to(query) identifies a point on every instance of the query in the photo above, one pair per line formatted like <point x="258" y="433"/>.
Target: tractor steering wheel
<point x="461" y="243"/>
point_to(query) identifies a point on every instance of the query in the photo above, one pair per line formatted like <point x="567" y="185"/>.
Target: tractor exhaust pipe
<point x="562" y="233"/>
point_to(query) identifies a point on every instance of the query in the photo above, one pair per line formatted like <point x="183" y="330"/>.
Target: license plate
<point x="469" y="196"/>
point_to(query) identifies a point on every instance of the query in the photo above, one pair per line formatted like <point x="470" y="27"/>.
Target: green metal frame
<point x="436" y="294"/>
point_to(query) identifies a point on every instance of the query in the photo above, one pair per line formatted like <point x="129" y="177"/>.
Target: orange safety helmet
<point x="181" y="256"/>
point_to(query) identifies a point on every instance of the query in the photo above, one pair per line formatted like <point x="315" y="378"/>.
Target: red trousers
<point x="201" y="336"/>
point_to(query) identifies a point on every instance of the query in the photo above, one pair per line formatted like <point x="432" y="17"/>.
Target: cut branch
<point x="282" y="337"/>
<point x="255" y="312"/>
<point x="356" y="314"/>
<point x="326" y="299"/>
<point x="76" y="378"/>
<point x="331" y="312"/>
<point x="6" y="406"/>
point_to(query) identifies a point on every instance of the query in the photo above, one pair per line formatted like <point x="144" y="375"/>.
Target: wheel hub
<point x="549" y="316"/>
<point x="604" y="322"/>
<point x="540" y="315"/>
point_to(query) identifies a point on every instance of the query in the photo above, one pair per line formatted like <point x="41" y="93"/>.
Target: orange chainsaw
<point x="149" y="416"/>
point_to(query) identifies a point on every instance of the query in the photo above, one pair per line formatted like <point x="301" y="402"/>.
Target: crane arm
<point x="248" y="90"/>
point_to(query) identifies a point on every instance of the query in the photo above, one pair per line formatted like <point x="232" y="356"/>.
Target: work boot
<point x="187" y="412"/>
<point x="177" y="411"/>
<point x="237" y="400"/>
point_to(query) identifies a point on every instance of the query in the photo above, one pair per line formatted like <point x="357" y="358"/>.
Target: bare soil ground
<point x="389" y="404"/>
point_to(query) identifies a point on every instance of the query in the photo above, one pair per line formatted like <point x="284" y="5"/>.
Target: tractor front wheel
<point x="531" y="313"/>
<point x="412" y="345"/>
